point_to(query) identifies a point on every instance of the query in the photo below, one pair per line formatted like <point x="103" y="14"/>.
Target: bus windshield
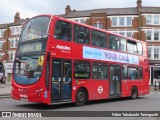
<point x="35" y="28"/>
<point x="28" y="69"/>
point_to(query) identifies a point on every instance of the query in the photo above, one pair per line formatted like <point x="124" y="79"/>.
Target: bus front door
<point x="115" y="80"/>
<point x="61" y="80"/>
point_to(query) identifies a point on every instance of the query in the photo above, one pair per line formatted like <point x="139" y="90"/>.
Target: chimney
<point x="17" y="17"/>
<point x="67" y="10"/>
<point x="139" y="5"/>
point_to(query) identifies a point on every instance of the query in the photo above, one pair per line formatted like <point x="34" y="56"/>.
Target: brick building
<point x="139" y="22"/>
<point x="9" y="37"/>
<point x="3" y="43"/>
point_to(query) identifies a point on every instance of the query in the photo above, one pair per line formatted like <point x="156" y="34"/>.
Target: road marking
<point x="151" y="92"/>
<point x="154" y="92"/>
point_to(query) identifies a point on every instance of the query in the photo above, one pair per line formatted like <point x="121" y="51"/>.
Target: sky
<point x="30" y="8"/>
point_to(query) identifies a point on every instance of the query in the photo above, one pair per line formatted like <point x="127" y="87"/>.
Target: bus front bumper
<point x="32" y="97"/>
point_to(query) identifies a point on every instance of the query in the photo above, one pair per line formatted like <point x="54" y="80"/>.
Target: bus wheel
<point x="81" y="97"/>
<point x="134" y="93"/>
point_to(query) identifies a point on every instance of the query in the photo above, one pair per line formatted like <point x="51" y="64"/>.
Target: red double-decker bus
<point x="62" y="61"/>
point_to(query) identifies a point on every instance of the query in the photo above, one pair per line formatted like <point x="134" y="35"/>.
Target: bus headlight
<point x="39" y="90"/>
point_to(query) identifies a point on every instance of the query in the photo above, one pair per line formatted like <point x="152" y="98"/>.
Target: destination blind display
<point x="31" y="47"/>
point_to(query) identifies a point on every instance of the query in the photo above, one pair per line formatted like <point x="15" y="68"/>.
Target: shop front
<point x="154" y="71"/>
<point x="8" y="72"/>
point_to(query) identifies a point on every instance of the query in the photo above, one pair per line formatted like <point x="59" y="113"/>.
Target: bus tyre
<point x="81" y="97"/>
<point x="134" y="93"/>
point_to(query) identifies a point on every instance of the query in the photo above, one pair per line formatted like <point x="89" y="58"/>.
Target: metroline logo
<point x="63" y="47"/>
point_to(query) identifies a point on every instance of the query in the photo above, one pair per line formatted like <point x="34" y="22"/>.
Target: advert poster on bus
<point x="106" y="55"/>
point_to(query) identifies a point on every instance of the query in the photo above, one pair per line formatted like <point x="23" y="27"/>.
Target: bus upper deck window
<point x="139" y="48"/>
<point x="81" y="35"/>
<point x="113" y="42"/>
<point x="123" y="44"/>
<point x="99" y="39"/>
<point x="131" y="47"/>
<point x="63" y="31"/>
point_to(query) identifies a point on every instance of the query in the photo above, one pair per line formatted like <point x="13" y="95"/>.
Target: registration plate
<point x="24" y="99"/>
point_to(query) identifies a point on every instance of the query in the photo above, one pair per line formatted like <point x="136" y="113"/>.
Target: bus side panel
<point x="142" y="85"/>
<point x="125" y="92"/>
<point x="97" y="89"/>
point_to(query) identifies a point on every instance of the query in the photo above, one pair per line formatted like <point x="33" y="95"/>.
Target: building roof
<point x="108" y="11"/>
<point x="61" y="15"/>
<point x="19" y="22"/>
<point x="151" y="10"/>
<point x="3" y="26"/>
<point x="113" y="11"/>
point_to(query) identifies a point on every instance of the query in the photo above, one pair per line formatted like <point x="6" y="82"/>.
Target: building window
<point x="148" y="19"/>
<point x="156" y="53"/>
<point x="121" y="33"/>
<point x="129" y="34"/>
<point x="15" y="30"/>
<point x="115" y="32"/>
<point x="148" y="35"/>
<point x="14" y="42"/>
<point x="2" y="33"/>
<point x="82" y="21"/>
<point x="156" y="72"/>
<point x="156" y="19"/>
<point x="114" y="21"/>
<point x="12" y="30"/>
<point x="98" y="25"/>
<point x="149" y="52"/>
<point x="1" y="45"/>
<point x="76" y="20"/>
<point x="121" y="21"/>
<point x="12" y="55"/>
<point x="129" y="21"/>
<point x="152" y="19"/>
<point x="156" y="35"/>
<point x="95" y="25"/>
<point x="1" y="56"/>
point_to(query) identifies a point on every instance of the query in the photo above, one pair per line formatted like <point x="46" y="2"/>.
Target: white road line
<point x="151" y="92"/>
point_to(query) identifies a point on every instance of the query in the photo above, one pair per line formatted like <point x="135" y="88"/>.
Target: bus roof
<point x="84" y="25"/>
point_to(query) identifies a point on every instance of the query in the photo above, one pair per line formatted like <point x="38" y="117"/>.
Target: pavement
<point x="5" y="90"/>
